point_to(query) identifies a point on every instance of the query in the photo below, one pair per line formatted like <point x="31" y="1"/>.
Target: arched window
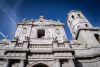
<point x="72" y="17"/>
<point x="97" y="37"/>
<point x="78" y="15"/>
<point x="86" y="25"/>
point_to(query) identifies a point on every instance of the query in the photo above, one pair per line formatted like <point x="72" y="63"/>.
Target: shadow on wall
<point x="40" y="65"/>
<point x="78" y="64"/>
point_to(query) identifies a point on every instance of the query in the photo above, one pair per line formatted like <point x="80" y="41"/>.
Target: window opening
<point x="40" y="33"/>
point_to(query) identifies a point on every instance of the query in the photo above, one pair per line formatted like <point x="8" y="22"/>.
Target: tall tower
<point x="77" y="20"/>
<point x="82" y="30"/>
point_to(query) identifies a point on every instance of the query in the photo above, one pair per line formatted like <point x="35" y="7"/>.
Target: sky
<point x="13" y="11"/>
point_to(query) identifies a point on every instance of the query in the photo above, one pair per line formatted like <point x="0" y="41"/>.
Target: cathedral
<point x="44" y="43"/>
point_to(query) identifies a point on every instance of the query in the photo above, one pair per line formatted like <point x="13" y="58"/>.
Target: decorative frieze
<point x="40" y="46"/>
<point x="63" y="55"/>
<point x="41" y="56"/>
<point x="41" y="41"/>
<point x="16" y="55"/>
<point x="61" y="45"/>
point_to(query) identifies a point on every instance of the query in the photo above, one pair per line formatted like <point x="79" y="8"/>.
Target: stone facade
<point x="43" y="43"/>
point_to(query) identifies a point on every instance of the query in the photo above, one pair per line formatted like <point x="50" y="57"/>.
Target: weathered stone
<point x="43" y="43"/>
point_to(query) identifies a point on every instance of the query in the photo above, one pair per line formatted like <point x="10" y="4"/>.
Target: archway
<point x="40" y="65"/>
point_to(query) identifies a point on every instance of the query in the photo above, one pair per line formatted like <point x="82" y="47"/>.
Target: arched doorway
<point x="40" y="65"/>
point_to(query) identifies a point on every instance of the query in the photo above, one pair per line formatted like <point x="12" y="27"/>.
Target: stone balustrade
<point x="41" y="41"/>
<point x="41" y="46"/>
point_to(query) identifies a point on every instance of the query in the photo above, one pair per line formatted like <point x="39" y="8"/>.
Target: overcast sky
<point x="12" y="11"/>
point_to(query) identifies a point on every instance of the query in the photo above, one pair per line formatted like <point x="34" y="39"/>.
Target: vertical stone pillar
<point x="71" y="63"/>
<point x="6" y="63"/>
<point x="57" y="63"/>
<point x="21" y="63"/>
<point x="98" y="63"/>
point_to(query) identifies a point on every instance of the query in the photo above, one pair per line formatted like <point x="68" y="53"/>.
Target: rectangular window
<point x="40" y="33"/>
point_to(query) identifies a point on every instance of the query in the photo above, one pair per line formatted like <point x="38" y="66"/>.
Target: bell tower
<point x="77" y="20"/>
<point x="82" y="30"/>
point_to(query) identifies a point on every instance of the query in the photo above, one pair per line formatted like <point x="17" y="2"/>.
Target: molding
<point x="62" y="49"/>
<point x="17" y="50"/>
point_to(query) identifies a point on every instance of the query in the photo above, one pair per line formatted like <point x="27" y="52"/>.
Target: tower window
<point x="78" y="15"/>
<point x="97" y="37"/>
<point x="40" y="33"/>
<point x="86" y="25"/>
<point x="72" y="17"/>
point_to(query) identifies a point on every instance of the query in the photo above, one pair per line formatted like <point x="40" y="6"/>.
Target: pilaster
<point x="71" y="63"/>
<point x="57" y="63"/>
<point x="6" y="63"/>
<point x="22" y="62"/>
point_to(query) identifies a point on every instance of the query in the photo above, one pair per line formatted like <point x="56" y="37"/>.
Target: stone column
<point x="71" y="63"/>
<point x="98" y="63"/>
<point x="57" y="63"/>
<point x="6" y="63"/>
<point x="21" y="63"/>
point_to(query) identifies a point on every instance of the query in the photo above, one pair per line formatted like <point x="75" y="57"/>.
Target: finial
<point x="41" y="18"/>
<point x="58" y="20"/>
